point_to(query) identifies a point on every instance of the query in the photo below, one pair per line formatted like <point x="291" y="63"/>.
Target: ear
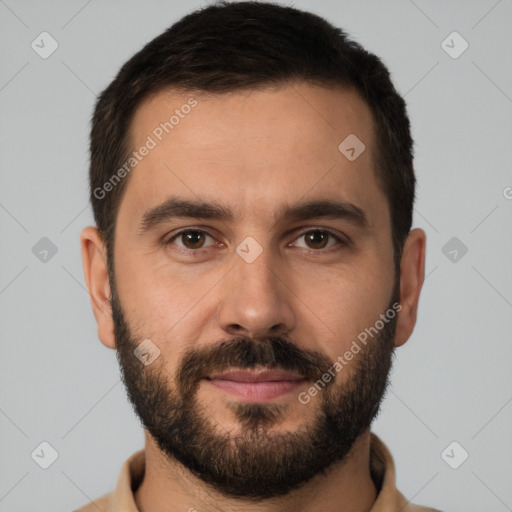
<point x="412" y="275"/>
<point x="94" y="260"/>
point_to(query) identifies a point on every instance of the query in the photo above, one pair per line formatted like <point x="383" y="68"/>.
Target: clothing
<point x="382" y="467"/>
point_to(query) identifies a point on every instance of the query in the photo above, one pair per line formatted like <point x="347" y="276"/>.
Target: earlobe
<point x="412" y="275"/>
<point x="94" y="260"/>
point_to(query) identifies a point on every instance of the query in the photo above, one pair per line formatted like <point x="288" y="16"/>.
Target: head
<point x="252" y="184"/>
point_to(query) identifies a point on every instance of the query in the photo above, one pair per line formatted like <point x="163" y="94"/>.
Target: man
<point x="253" y="262"/>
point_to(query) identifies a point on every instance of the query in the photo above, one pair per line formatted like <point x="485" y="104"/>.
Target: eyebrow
<point x="175" y="207"/>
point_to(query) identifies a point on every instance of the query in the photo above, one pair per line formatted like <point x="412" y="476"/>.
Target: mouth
<point x="256" y="385"/>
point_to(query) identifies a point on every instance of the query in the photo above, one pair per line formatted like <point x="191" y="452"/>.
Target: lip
<point x="262" y="375"/>
<point x="259" y="385"/>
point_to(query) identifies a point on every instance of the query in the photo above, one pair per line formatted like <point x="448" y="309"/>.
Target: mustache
<point x="245" y="353"/>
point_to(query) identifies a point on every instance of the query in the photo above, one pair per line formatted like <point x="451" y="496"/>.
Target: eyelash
<point x="341" y="242"/>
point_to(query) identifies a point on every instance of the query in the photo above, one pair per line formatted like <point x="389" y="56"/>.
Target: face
<point x="247" y="241"/>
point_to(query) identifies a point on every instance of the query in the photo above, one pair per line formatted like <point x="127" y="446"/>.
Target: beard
<point x="254" y="463"/>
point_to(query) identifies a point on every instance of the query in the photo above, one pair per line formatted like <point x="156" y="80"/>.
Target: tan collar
<point x="382" y="467"/>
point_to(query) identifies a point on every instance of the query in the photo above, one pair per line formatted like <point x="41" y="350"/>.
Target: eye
<point x="319" y="239"/>
<point x="195" y="240"/>
<point x="192" y="239"/>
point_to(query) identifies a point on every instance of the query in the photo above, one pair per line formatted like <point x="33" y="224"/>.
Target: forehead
<point x="254" y="150"/>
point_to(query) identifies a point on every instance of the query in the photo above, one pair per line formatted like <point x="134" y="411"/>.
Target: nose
<point x="256" y="299"/>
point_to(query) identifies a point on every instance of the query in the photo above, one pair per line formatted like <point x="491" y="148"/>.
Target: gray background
<point x="451" y="381"/>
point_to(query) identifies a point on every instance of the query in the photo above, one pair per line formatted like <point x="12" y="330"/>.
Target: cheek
<point x="344" y="305"/>
<point x="164" y="304"/>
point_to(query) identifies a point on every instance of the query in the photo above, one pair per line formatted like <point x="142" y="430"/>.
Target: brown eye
<point x="318" y="239"/>
<point x="192" y="239"/>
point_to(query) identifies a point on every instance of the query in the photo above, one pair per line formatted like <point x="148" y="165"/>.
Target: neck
<point x="169" y="487"/>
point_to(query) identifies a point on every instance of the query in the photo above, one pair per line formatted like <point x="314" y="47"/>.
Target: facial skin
<point x="305" y="298"/>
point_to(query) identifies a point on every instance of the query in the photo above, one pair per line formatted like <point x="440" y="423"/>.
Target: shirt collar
<point x="382" y="466"/>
